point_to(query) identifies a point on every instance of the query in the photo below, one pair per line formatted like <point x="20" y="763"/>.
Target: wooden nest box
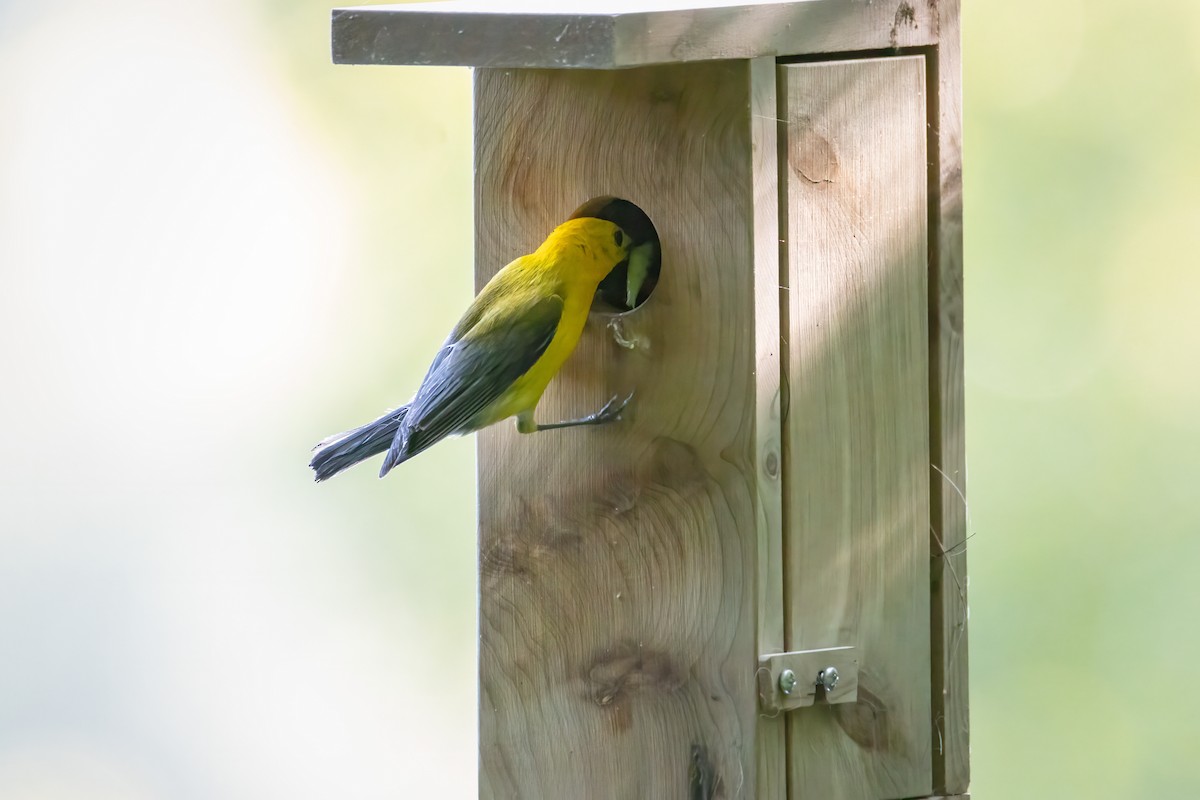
<point x="664" y="601"/>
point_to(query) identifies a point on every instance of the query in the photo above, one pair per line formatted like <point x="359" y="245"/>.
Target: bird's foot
<point x="610" y="412"/>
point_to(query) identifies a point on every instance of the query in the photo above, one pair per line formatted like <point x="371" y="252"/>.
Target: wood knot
<point x="505" y="557"/>
<point x="811" y="155"/>
<point x="868" y="723"/>
<point x="535" y="533"/>
<point x="673" y="463"/>
<point x="771" y="464"/>
<point x="619" y="672"/>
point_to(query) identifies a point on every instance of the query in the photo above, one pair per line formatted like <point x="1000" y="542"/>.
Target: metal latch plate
<point x="810" y="675"/>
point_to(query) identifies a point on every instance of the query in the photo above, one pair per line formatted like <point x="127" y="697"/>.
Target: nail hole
<point x="612" y="294"/>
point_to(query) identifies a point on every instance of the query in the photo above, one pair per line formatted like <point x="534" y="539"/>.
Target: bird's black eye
<point x="618" y="237"/>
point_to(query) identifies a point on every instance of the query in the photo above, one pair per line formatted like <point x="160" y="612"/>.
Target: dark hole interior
<point x="612" y="294"/>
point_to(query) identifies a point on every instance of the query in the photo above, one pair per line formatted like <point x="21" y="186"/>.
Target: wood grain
<point x="856" y="500"/>
<point x="951" y="718"/>
<point x="621" y="606"/>
<point x="611" y="34"/>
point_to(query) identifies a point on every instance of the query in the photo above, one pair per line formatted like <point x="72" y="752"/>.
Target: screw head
<point x="828" y="678"/>
<point x="787" y="681"/>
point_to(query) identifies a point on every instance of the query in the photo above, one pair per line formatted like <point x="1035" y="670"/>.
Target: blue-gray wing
<point x="471" y="373"/>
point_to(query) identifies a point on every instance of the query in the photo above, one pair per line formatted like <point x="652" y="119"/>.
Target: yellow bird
<point x="498" y="360"/>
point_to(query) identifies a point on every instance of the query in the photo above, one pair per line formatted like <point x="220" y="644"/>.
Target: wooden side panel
<point x="951" y="720"/>
<point x="856" y="464"/>
<point x="620" y="597"/>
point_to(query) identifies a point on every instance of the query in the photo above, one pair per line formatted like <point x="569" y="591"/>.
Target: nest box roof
<point x="610" y="34"/>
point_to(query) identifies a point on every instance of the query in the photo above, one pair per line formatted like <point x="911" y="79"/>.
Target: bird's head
<point x="588" y="247"/>
<point x="631" y="281"/>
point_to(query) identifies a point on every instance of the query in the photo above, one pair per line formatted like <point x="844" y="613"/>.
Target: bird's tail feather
<point x="404" y="446"/>
<point x="343" y="450"/>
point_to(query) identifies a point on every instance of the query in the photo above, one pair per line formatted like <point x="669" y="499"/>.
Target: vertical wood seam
<point x="782" y="295"/>
<point x="769" y="375"/>
<point x="948" y="529"/>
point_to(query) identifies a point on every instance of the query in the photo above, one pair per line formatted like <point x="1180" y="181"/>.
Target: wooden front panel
<point x="621" y="605"/>
<point x="856" y="465"/>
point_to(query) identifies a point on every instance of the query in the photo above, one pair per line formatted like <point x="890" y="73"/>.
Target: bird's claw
<point x="612" y="410"/>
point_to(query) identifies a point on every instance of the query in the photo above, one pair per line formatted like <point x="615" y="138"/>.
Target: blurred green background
<point x="216" y="248"/>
